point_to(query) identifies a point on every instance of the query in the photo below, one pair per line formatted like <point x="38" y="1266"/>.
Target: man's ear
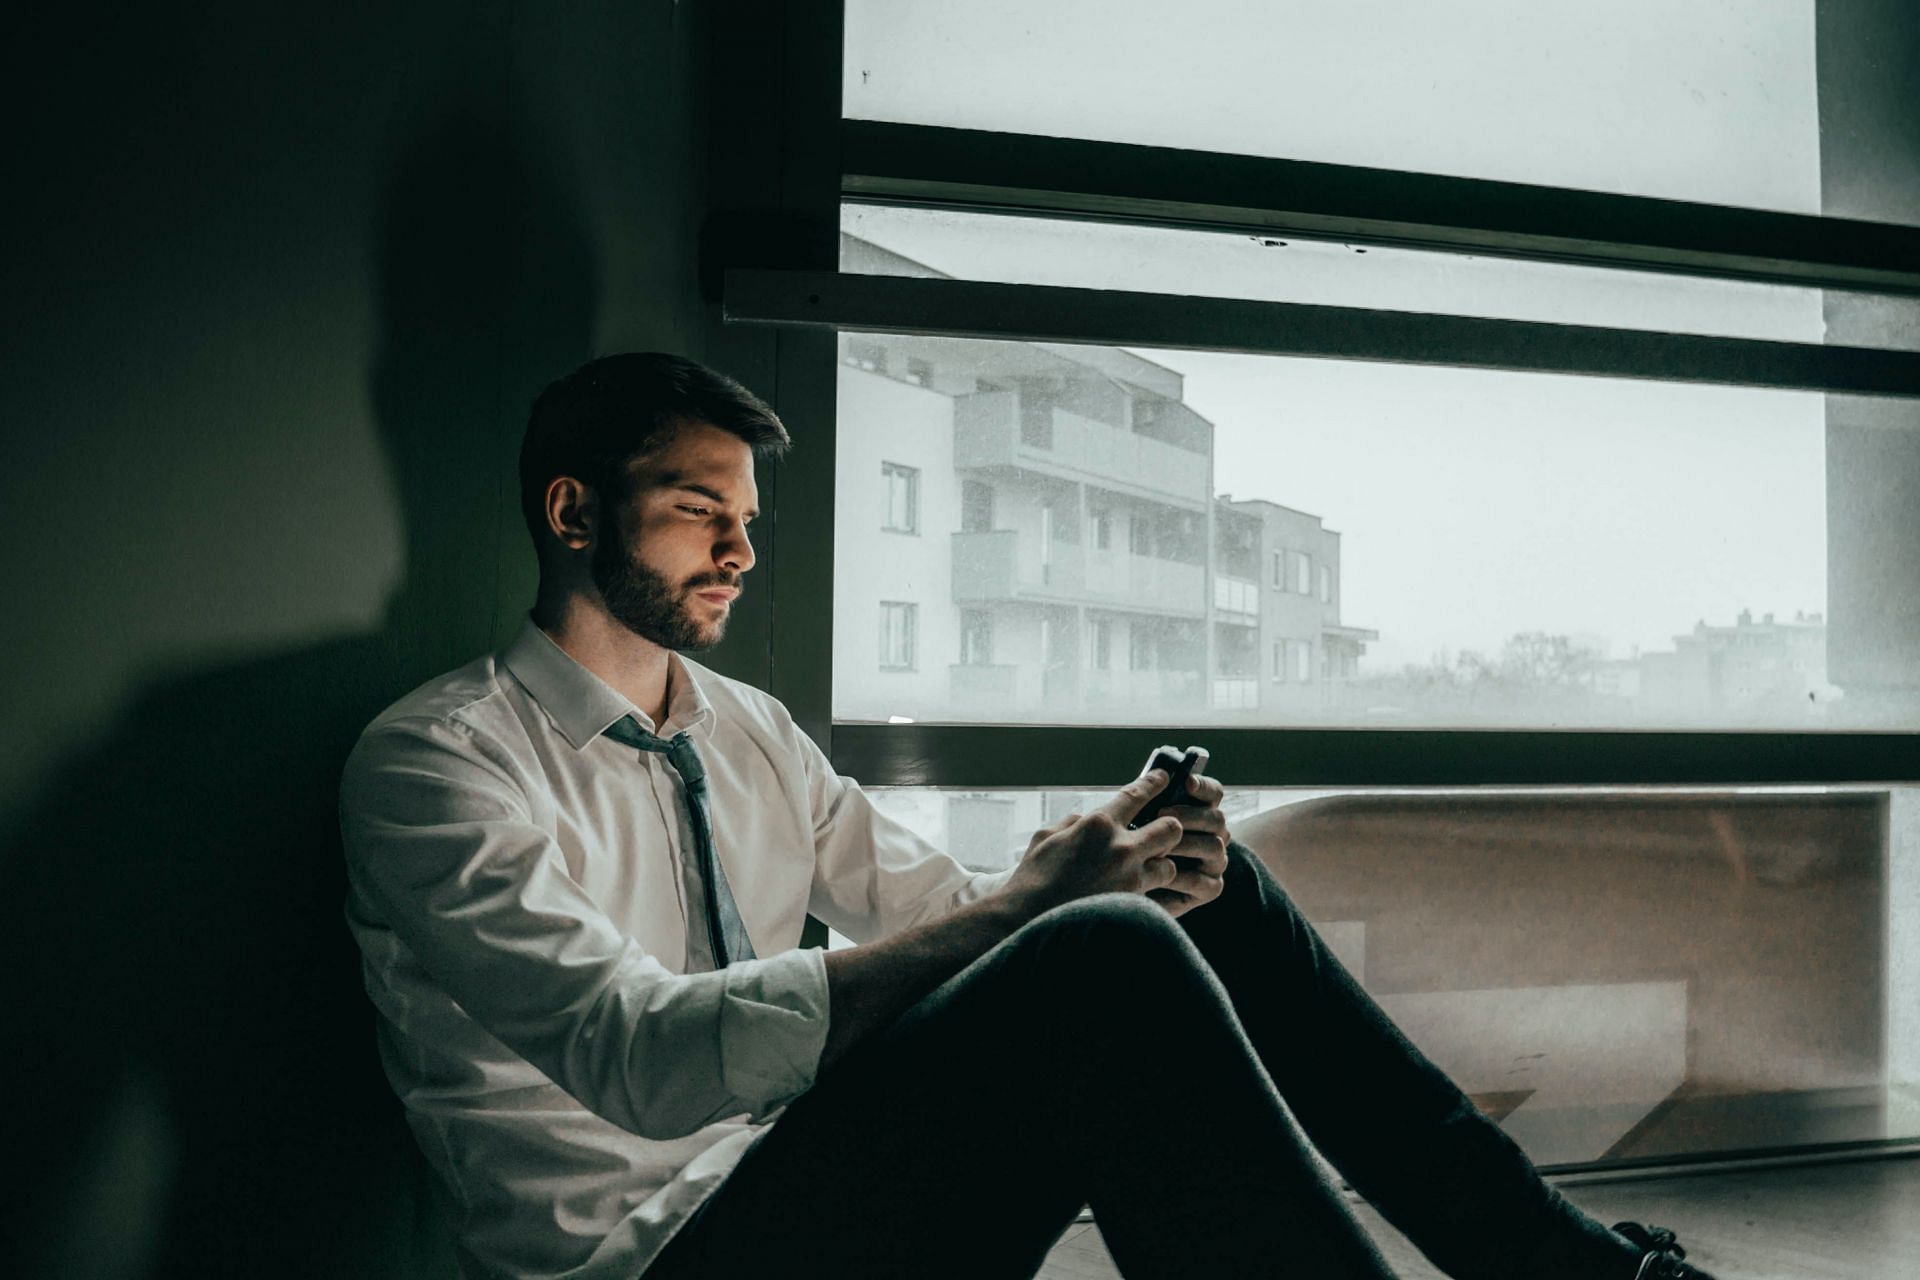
<point x="573" y="512"/>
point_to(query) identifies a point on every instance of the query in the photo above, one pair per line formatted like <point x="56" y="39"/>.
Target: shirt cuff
<point x="984" y="885"/>
<point x="773" y="1027"/>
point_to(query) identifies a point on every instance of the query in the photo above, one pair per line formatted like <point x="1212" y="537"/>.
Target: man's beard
<point x="645" y="603"/>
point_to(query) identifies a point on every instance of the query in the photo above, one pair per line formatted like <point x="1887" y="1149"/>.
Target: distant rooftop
<point x="863" y="257"/>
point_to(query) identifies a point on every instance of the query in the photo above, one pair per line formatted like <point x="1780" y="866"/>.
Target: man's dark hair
<point x="594" y="421"/>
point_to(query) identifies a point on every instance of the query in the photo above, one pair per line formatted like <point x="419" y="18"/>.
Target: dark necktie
<point x="726" y="933"/>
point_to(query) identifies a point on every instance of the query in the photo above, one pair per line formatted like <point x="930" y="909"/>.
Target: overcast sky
<point x="1473" y="505"/>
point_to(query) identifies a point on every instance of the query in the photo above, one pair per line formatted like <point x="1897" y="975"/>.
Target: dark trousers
<point x="1171" y="1074"/>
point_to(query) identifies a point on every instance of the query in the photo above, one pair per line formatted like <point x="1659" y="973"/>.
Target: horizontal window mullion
<point x="1103" y="317"/>
<point x="984" y="757"/>
<point x="1069" y="177"/>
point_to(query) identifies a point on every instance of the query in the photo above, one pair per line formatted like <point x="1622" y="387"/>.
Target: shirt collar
<point x="582" y="705"/>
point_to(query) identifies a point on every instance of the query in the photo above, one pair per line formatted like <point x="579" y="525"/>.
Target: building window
<point x="1102" y="529"/>
<point x="1302" y="572"/>
<point x="1293" y="661"/>
<point x="919" y="372"/>
<point x="976" y="638"/>
<point x="1280" y="570"/>
<point x="1326" y="584"/>
<point x="1140" y="535"/>
<point x="898" y="622"/>
<point x="976" y="506"/>
<point x="1061" y="520"/>
<point x="903" y="497"/>
<point x="1102" y="644"/>
<point x="1299" y="661"/>
<point x="1139" y="648"/>
<point x="866" y="354"/>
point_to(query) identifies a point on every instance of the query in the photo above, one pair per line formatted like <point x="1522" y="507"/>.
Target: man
<point x="578" y="873"/>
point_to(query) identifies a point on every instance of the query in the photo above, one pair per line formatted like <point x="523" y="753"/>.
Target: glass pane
<point x="880" y="240"/>
<point x="1756" y="103"/>
<point x="1137" y="537"/>
<point x="1611" y="974"/>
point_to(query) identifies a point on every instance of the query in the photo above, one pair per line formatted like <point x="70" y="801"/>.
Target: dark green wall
<point x="280" y="285"/>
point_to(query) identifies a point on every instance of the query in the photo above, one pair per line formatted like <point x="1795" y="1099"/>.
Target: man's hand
<point x="1177" y="859"/>
<point x="1201" y="855"/>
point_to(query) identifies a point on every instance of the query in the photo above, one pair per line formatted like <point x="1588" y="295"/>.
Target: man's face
<point x="681" y="533"/>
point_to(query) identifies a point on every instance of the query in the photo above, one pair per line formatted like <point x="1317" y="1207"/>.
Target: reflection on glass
<point x="1612" y="975"/>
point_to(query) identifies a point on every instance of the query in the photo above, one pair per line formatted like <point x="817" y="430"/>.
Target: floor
<point x="1856" y="1221"/>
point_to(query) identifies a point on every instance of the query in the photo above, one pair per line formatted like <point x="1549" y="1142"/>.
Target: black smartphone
<point x="1180" y="765"/>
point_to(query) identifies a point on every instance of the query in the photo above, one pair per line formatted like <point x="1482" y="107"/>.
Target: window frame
<point x="770" y="256"/>
<point x="910" y="476"/>
<point x="909" y="613"/>
<point x="802" y="296"/>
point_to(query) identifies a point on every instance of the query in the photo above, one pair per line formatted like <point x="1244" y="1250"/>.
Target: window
<point x="1145" y="537"/>
<point x="897" y="623"/>
<point x="903" y="497"/>
<point x="1066" y="520"/>
<point x="919" y="372"/>
<point x="1721" y="107"/>
<point x="1140" y="648"/>
<point x="1497" y="488"/>
<point x="1102" y="528"/>
<point x="1481" y="1009"/>
<point x="1102" y="644"/>
<point x="976" y="638"/>
<point x="1299" y="661"/>
<point x="866" y="354"/>
<point x="976" y="507"/>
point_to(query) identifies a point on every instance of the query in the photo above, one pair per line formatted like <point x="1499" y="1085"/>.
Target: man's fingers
<point x="1156" y="839"/>
<point x="1196" y="818"/>
<point x="1206" y="792"/>
<point x="1130" y="799"/>
<point x="1160" y="873"/>
<point x="1054" y="830"/>
<point x="1200" y="885"/>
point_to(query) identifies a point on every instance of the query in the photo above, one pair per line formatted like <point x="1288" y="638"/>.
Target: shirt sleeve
<point x="872" y="875"/>
<point x="442" y="846"/>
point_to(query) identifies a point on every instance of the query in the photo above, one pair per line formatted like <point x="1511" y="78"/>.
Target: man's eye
<point x="696" y="511"/>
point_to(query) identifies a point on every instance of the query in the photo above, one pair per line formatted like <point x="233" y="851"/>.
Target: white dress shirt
<point x="520" y="887"/>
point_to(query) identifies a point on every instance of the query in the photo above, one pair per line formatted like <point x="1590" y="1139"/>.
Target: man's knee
<point x="1116" y="942"/>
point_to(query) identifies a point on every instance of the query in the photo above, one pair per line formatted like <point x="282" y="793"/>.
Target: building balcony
<point x="989" y="434"/>
<point x="1236" y="600"/>
<point x="992" y="684"/>
<point x="1157" y="690"/>
<point x="1236" y="693"/>
<point x="991" y="566"/>
<point x="1148" y="584"/>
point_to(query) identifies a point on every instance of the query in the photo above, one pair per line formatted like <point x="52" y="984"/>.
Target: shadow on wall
<point x="193" y="1084"/>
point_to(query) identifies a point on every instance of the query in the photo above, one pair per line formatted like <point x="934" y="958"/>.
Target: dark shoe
<point x="1664" y="1259"/>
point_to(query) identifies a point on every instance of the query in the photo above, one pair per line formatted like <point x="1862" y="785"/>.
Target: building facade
<point x="1028" y="532"/>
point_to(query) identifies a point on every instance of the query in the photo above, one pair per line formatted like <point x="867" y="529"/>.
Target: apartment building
<point x="1033" y="532"/>
<point x="1754" y="666"/>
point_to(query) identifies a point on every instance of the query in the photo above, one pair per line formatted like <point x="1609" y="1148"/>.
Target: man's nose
<point x="735" y="550"/>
